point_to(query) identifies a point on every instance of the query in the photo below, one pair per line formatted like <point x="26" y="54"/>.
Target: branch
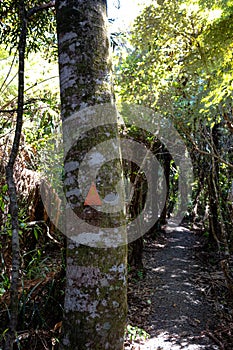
<point x="29" y="88"/>
<point x="215" y="339"/>
<point x="10" y="69"/>
<point x="42" y="7"/>
<point x="213" y="154"/>
<point x="8" y="110"/>
<point x="228" y="122"/>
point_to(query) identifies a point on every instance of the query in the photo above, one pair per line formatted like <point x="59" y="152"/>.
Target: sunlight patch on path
<point x="181" y="314"/>
<point x="165" y="341"/>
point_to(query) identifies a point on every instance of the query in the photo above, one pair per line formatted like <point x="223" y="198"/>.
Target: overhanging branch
<point x="39" y="8"/>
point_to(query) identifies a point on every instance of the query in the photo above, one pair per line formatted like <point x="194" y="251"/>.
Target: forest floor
<point x="173" y="302"/>
<point x="178" y="301"/>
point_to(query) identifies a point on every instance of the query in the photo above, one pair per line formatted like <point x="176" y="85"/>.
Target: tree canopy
<point x="180" y="64"/>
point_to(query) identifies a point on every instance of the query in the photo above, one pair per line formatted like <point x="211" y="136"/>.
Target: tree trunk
<point x="13" y="207"/>
<point x="95" y="298"/>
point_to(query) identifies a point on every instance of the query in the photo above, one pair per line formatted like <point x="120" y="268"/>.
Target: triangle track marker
<point x="93" y="197"/>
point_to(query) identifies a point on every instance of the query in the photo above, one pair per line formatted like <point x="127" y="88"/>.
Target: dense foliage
<point x="40" y="16"/>
<point x="180" y="65"/>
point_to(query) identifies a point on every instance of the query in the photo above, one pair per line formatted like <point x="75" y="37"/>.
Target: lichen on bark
<point x="95" y="297"/>
<point x="83" y="54"/>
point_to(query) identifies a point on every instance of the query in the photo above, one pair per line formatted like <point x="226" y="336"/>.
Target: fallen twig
<point x="215" y="339"/>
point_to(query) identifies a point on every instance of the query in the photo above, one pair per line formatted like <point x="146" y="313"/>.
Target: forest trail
<point x="179" y="316"/>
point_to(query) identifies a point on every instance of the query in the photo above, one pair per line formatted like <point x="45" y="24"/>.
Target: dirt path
<point x="179" y="315"/>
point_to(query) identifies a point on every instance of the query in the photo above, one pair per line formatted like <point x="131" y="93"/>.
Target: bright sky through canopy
<point x="125" y="11"/>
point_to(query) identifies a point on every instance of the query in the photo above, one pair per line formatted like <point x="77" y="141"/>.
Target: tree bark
<point x="13" y="207"/>
<point x="95" y="298"/>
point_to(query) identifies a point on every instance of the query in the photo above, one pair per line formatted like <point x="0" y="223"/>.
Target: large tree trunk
<point x="95" y="300"/>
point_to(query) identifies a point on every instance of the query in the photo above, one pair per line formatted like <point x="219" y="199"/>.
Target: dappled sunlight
<point x="172" y="226"/>
<point x="170" y="239"/>
<point x="159" y="269"/>
<point x="180" y="312"/>
<point x="182" y="260"/>
<point x="178" y="247"/>
<point x="166" y="341"/>
<point x="175" y="275"/>
<point x="157" y="245"/>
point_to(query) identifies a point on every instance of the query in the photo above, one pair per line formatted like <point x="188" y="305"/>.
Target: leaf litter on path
<point x="178" y="314"/>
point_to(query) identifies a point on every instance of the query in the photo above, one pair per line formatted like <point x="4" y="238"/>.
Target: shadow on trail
<point x="181" y="315"/>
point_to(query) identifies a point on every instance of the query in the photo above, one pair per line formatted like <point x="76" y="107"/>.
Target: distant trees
<point x="180" y="65"/>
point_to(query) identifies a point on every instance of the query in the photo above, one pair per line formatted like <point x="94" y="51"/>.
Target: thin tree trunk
<point x="13" y="208"/>
<point x="95" y="299"/>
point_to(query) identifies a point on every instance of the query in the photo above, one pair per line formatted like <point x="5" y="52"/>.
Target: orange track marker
<point x="93" y="197"/>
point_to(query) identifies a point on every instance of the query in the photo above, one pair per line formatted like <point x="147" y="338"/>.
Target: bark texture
<point x="83" y="54"/>
<point x="95" y="301"/>
<point x="13" y="207"/>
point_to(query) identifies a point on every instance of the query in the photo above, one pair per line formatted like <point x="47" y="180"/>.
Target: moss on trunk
<point x="95" y="301"/>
